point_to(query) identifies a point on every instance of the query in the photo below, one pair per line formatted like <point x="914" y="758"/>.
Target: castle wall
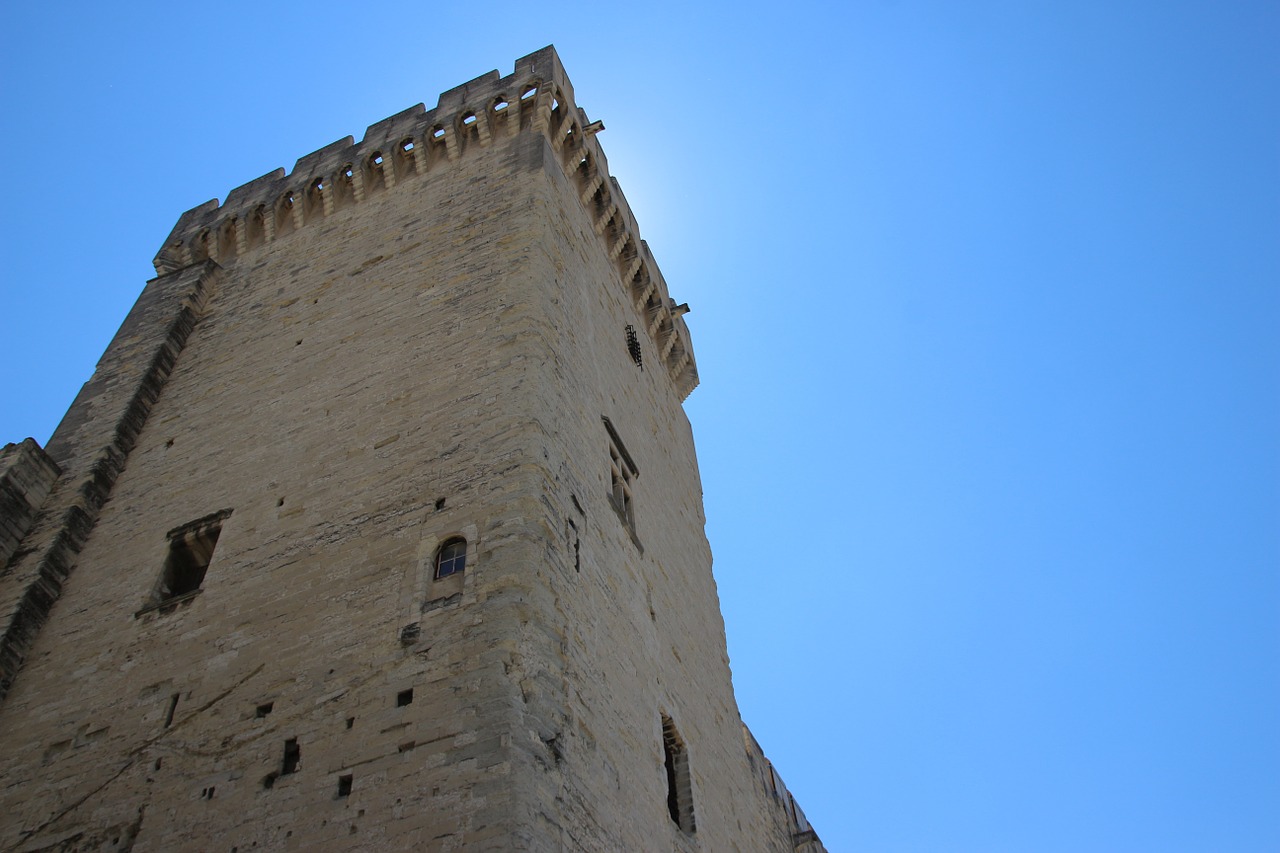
<point x="91" y="447"/>
<point x="26" y="476"/>
<point x="299" y="404"/>
<point x="382" y="359"/>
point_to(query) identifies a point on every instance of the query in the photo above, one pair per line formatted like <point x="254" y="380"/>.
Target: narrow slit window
<point x="292" y="757"/>
<point x="679" y="786"/>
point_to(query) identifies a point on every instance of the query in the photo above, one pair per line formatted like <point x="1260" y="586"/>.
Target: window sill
<point x="169" y="605"/>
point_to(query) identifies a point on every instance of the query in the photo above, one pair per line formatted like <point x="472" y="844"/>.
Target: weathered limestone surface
<point x="405" y="340"/>
<point x="91" y="446"/>
<point x="26" y="476"/>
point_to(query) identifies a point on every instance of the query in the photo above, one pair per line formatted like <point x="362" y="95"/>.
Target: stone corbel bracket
<point x="537" y="97"/>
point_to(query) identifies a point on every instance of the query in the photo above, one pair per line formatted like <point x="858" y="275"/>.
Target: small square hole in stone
<point x="404" y="697"/>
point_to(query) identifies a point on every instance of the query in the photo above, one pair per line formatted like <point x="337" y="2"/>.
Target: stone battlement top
<point x="536" y="97"/>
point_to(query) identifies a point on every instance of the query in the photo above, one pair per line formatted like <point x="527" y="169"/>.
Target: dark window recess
<point x="404" y="697"/>
<point x="679" y="787"/>
<point x="344" y="786"/>
<point x="264" y="709"/>
<point x="190" y="550"/>
<point x="292" y="757"/>
<point x="173" y="706"/>
<point x="451" y="558"/>
<point x="187" y="563"/>
<point x="633" y="346"/>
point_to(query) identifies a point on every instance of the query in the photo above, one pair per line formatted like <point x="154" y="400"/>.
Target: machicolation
<point x="416" y="141"/>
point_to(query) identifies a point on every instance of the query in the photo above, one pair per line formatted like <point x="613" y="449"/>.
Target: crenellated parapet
<point x="407" y="146"/>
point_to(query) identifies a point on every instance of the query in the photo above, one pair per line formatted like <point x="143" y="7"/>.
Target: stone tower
<point x="379" y="525"/>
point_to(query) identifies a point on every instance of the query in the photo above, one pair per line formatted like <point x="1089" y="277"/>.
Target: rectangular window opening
<point x="622" y="475"/>
<point x="344" y="785"/>
<point x="404" y="697"/>
<point x="190" y="552"/>
<point x="292" y="757"/>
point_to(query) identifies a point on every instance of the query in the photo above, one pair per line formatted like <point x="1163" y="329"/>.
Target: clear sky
<point x="986" y="304"/>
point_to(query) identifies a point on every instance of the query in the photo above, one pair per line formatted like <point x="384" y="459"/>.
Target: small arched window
<point x="451" y="559"/>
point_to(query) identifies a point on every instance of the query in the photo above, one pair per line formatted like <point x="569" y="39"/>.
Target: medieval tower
<point x="379" y="525"/>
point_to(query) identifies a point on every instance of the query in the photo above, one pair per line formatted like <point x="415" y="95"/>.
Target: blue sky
<point x="985" y="303"/>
